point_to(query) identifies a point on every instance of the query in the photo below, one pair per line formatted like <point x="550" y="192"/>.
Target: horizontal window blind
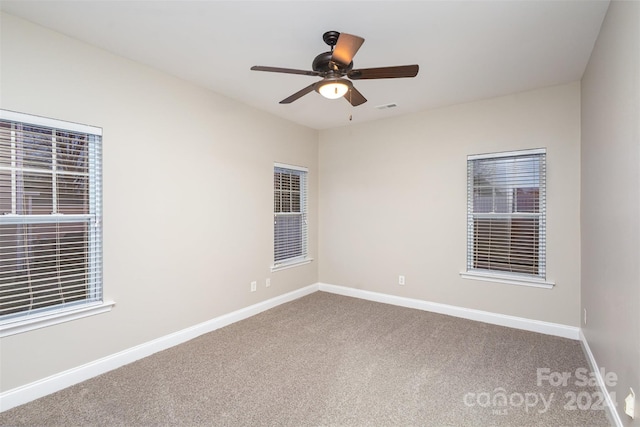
<point x="290" y="214"/>
<point x="50" y="215"/>
<point x="506" y="213"/>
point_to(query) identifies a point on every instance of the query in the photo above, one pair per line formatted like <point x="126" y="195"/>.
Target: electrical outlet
<point x="268" y="282"/>
<point x="400" y="280"/>
<point x="254" y="286"/>
<point x="585" y="316"/>
<point x="630" y="404"/>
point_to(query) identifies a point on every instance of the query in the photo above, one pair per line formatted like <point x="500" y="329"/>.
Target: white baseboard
<point x="595" y="368"/>
<point x="465" y="313"/>
<point x="45" y="386"/>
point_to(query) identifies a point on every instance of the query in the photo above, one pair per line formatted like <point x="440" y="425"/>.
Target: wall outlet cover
<point x="630" y="404"/>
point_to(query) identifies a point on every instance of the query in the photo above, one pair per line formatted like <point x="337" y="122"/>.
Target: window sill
<point x="507" y="278"/>
<point x="290" y="264"/>
<point x="53" y="318"/>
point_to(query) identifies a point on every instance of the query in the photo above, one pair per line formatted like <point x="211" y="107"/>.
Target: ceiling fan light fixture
<point x="334" y="88"/>
<point x="338" y="63"/>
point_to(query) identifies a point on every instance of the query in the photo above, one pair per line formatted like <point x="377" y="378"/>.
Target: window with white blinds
<point x="50" y="216"/>
<point x="289" y="215"/>
<point x="506" y="211"/>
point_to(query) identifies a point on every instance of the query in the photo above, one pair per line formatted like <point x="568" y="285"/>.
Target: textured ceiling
<point x="466" y="50"/>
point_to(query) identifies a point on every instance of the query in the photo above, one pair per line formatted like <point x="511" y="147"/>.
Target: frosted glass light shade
<point x="334" y="89"/>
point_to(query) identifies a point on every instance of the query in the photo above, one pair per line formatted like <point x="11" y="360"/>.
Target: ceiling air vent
<point x="386" y="106"/>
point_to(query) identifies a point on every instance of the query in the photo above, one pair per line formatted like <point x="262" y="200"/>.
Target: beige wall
<point x="611" y="200"/>
<point x="187" y="196"/>
<point x="393" y="201"/>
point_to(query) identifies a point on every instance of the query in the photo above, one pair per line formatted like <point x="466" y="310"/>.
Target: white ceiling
<point x="466" y="50"/>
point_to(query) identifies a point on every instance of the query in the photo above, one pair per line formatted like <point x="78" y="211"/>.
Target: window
<point x="506" y="214"/>
<point x="289" y="216"/>
<point x="50" y="217"/>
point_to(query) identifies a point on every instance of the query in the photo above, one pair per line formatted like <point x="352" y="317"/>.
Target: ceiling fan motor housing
<point x="323" y="64"/>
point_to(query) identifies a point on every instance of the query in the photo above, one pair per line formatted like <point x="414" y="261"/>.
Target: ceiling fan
<point x="336" y="64"/>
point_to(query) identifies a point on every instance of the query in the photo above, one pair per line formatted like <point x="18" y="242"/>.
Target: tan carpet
<point x="326" y="360"/>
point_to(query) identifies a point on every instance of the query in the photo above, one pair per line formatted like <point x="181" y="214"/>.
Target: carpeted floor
<point x="329" y="360"/>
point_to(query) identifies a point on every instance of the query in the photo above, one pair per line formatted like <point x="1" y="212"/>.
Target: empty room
<point x="313" y="213"/>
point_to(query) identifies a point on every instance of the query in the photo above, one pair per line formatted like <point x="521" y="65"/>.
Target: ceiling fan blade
<point x="384" y="72"/>
<point x="299" y="94"/>
<point x="354" y="97"/>
<point x="346" y="48"/>
<point x="284" y="70"/>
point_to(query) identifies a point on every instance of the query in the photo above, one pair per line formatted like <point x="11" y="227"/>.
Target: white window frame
<point x="94" y="304"/>
<point x="534" y="280"/>
<point x="303" y="257"/>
